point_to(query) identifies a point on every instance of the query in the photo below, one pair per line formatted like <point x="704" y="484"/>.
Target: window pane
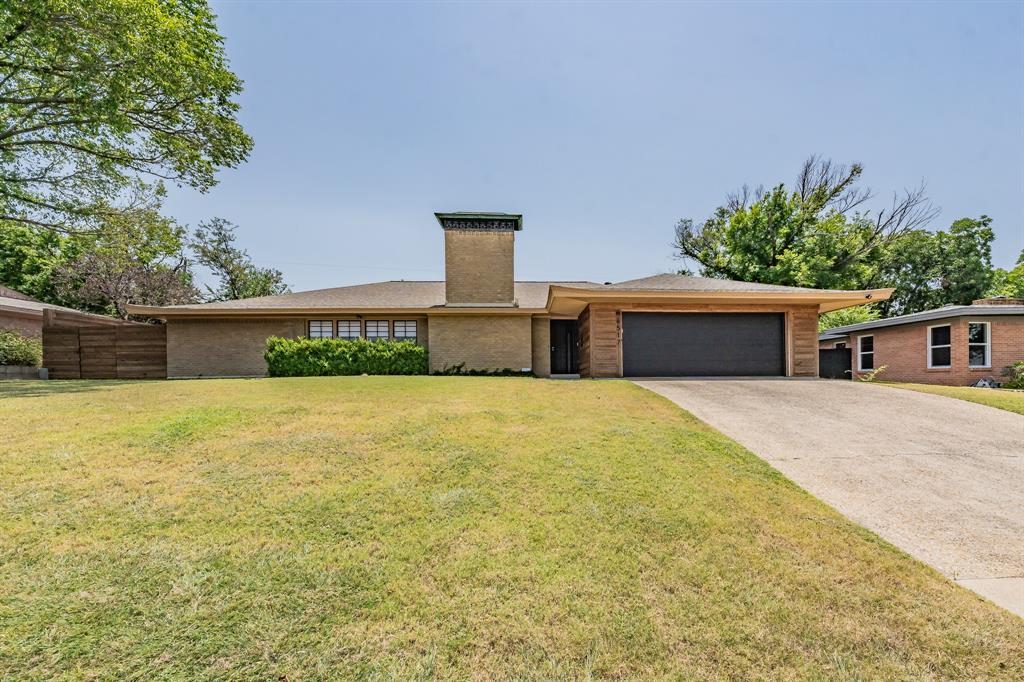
<point x="405" y="329"/>
<point x="940" y="357"/>
<point x="976" y="356"/>
<point x="867" y="344"/>
<point x="348" y="329"/>
<point x="321" y="329"/>
<point x="940" y="336"/>
<point x="976" y="333"/>
<point x="867" y="360"/>
<point x="377" y="329"/>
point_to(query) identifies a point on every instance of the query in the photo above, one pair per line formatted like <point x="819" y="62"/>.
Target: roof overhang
<point x="198" y="312"/>
<point x="572" y="300"/>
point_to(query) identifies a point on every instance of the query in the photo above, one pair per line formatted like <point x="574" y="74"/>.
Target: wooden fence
<point x="106" y="352"/>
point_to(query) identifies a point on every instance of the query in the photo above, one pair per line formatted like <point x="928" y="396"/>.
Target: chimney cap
<point x="484" y="222"/>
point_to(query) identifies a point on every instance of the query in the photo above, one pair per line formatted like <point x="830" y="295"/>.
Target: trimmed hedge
<point x="16" y="349"/>
<point x="304" y="357"/>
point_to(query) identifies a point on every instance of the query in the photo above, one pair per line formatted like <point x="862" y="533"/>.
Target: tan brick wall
<point x="481" y="341"/>
<point x="904" y="350"/>
<point x="479" y="266"/>
<point x="211" y="348"/>
<point x="542" y="346"/>
<point x="601" y="343"/>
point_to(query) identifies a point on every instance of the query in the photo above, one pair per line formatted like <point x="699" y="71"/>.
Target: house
<point x="479" y="316"/>
<point x="955" y="345"/>
<point x="26" y="315"/>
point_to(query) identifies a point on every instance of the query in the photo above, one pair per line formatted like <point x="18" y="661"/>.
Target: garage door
<point x="703" y="344"/>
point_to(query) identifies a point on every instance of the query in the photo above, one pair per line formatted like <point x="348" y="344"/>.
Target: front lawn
<point x="1012" y="401"/>
<point x="439" y="527"/>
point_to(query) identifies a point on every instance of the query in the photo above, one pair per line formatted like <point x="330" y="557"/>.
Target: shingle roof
<point x="670" y="282"/>
<point x="980" y="310"/>
<point x="394" y="294"/>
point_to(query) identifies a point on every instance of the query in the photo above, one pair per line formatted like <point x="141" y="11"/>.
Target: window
<point x="377" y="329"/>
<point x="321" y="329"/>
<point x="405" y="329"/>
<point x="865" y="353"/>
<point x="840" y="345"/>
<point x="979" y="344"/>
<point x="939" y="348"/>
<point x="348" y="329"/>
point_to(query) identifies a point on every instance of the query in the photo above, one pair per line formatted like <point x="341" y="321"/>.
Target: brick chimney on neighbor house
<point x="479" y="258"/>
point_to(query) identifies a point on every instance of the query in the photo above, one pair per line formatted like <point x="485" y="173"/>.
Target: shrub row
<point x="337" y="357"/>
<point x="16" y="349"/>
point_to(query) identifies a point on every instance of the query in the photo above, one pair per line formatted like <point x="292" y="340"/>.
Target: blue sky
<point x="602" y="123"/>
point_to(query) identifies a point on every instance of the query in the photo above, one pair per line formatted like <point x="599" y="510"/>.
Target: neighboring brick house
<point x="480" y="317"/>
<point x="25" y="315"/>
<point x="955" y="345"/>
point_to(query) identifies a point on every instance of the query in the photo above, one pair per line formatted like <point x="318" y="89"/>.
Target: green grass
<point x="440" y="528"/>
<point x="1012" y="401"/>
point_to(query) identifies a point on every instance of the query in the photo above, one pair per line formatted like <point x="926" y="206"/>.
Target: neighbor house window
<point x="405" y="329"/>
<point x="866" y="353"/>
<point x="939" y="346"/>
<point x="377" y="329"/>
<point x="348" y="329"/>
<point x="979" y="344"/>
<point x="321" y="329"/>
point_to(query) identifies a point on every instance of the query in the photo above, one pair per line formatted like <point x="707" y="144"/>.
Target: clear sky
<point x="602" y="123"/>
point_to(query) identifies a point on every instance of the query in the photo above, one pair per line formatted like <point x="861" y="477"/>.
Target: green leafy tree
<point x="816" y="234"/>
<point x="96" y="94"/>
<point x="932" y="270"/>
<point x="1008" y="283"/>
<point x="29" y="258"/>
<point x="214" y="246"/>
<point x="137" y="256"/>
<point x="846" y="316"/>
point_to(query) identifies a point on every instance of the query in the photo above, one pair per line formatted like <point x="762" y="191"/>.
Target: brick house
<point x="479" y="316"/>
<point x="26" y="315"/>
<point x="955" y="345"/>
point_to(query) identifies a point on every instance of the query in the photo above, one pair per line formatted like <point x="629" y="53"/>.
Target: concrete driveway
<point x="941" y="478"/>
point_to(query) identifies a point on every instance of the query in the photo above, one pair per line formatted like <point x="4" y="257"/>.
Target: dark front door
<point x="703" y="344"/>
<point x="564" y="353"/>
<point x="834" y="363"/>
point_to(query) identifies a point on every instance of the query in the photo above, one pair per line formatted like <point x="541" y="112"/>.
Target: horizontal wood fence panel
<point x="106" y="352"/>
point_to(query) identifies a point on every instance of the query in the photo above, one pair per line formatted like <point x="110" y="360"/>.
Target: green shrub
<point x="338" y="357"/>
<point x="1015" y="372"/>
<point x="16" y="349"/>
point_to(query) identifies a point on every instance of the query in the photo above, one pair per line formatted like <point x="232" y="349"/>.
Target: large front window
<point x="321" y="329"/>
<point x="940" y="346"/>
<point x="348" y="329"/>
<point x="866" y="353"/>
<point x="979" y="344"/>
<point x="405" y="329"/>
<point x="377" y="329"/>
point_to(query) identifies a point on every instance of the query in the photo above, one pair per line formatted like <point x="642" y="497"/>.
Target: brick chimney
<point x="479" y="251"/>
<point x="998" y="300"/>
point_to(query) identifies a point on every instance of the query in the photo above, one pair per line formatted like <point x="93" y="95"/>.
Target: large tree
<point x="95" y="94"/>
<point x="930" y="270"/>
<point x="137" y="256"/>
<point x="214" y="246"/>
<point x="816" y="234"/>
<point x="1008" y="282"/>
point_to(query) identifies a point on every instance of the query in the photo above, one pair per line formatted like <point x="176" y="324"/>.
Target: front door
<point x="564" y="352"/>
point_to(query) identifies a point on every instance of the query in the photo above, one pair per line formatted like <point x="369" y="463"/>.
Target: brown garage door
<point x="703" y="344"/>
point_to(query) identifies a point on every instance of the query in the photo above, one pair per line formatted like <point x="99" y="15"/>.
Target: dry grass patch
<point x="439" y="527"/>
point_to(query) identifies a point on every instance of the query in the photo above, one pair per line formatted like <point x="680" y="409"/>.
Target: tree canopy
<point x="214" y="246"/>
<point x="818" y="234"/>
<point x="96" y="94"/>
